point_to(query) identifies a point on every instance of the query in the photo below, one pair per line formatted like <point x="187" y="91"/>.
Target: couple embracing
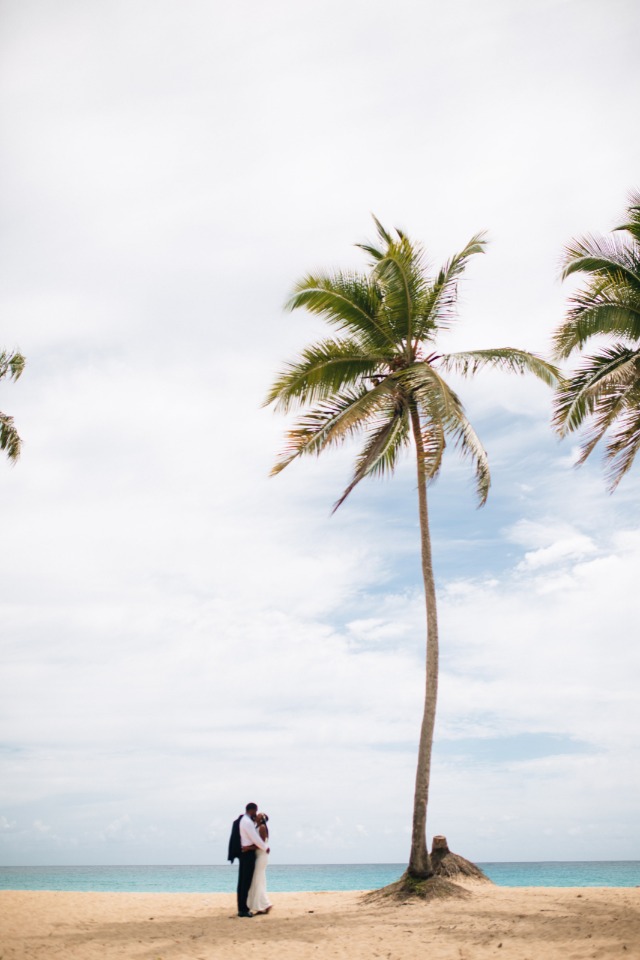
<point x="250" y="844"/>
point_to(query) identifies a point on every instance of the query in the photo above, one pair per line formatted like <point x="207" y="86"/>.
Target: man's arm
<point x="251" y="829"/>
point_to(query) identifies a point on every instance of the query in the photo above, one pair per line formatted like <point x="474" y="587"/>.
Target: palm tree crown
<point x="384" y="366"/>
<point x="381" y="375"/>
<point x="11" y="365"/>
<point x="603" y="394"/>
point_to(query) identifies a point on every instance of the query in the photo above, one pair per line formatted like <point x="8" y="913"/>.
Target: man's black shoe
<point x="247" y="914"/>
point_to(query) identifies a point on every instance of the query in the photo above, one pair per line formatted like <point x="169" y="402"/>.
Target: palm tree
<point x="381" y="376"/>
<point x="604" y="392"/>
<point x="11" y="364"/>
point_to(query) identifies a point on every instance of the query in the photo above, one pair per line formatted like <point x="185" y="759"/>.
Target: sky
<point x="181" y="633"/>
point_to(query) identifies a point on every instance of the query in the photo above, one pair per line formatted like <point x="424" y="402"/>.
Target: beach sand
<point x="538" y="923"/>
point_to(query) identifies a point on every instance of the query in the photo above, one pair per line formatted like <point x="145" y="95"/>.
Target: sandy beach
<point x="517" y="923"/>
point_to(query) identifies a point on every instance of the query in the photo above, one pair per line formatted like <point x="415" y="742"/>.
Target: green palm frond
<point x="468" y="443"/>
<point x="386" y="239"/>
<point x="10" y="441"/>
<point x="401" y="273"/>
<point x="346" y="300"/>
<point x="617" y="412"/>
<point x="333" y="420"/>
<point x="604" y="256"/>
<point x="433" y="438"/>
<point x="469" y="362"/>
<point x="603" y="394"/>
<point x="632" y="225"/>
<point x="388" y="436"/>
<point x="423" y="382"/>
<point x="438" y="308"/>
<point x="609" y="407"/>
<point x="324" y="367"/>
<point x="437" y="406"/>
<point x="607" y="306"/>
<point x="598" y="381"/>
<point x="624" y="440"/>
<point x="609" y="302"/>
<point x="442" y="415"/>
<point x="11" y="364"/>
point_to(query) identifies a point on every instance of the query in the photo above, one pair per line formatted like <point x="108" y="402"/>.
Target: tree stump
<point x="452" y="866"/>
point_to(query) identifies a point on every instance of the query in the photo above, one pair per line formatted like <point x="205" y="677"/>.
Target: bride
<point x="258" y="901"/>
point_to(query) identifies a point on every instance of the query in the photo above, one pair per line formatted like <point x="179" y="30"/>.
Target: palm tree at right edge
<point x="603" y="394"/>
<point x="381" y="376"/>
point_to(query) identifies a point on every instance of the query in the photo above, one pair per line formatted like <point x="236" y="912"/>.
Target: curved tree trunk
<point x="419" y="860"/>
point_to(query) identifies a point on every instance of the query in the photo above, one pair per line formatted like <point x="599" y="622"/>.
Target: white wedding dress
<point x="258" y="899"/>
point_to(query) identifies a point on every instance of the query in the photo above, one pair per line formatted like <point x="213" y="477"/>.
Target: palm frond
<point x="468" y="443"/>
<point x="624" y="443"/>
<point x="333" y="420"/>
<point x="346" y="300"/>
<point x="10" y="441"/>
<point x="438" y="308"/>
<point x="605" y="396"/>
<point x="433" y="437"/>
<point x="437" y="404"/>
<point x="422" y="381"/>
<point x="324" y="368"/>
<point x="610" y="403"/>
<point x="388" y="434"/>
<point x="608" y="408"/>
<point x="438" y="424"/>
<point x="442" y="415"/>
<point x="401" y="275"/>
<point x="597" y="383"/>
<point x="617" y="411"/>
<point x="376" y="253"/>
<point x="468" y="363"/>
<point x="607" y="306"/>
<point x="632" y="225"/>
<point x="11" y="364"/>
<point x="605" y="256"/>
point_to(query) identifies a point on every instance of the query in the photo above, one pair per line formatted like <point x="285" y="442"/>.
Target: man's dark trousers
<point x="245" y="876"/>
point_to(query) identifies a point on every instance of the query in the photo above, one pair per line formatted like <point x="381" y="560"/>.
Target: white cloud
<point x="573" y="548"/>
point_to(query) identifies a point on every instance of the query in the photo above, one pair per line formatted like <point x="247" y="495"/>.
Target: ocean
<point x="285" y="879"/>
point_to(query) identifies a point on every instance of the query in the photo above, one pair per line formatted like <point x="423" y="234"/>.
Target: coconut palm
<point x="381" y="375"/>
<point x="603" y="394"/>
<point x="12" y="365"/>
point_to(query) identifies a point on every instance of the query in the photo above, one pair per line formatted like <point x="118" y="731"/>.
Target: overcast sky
<point x="182" y="634"/>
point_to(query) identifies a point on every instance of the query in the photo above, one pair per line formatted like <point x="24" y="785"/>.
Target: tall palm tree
<point x="603" y="394"/>
<point x="11" y="364"/>
<point x="381" y="376"/>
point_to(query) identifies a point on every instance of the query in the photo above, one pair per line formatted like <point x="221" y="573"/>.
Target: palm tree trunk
<point x="419" y="860"/>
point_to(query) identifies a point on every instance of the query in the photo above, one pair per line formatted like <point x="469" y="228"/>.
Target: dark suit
<point x="245" y="876"/>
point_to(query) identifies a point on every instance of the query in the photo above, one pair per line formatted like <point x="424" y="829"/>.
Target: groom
<point x="250" y="839"/>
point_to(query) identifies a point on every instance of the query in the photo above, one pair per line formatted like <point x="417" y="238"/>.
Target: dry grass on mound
<point x="451" y="866"/>
<point x="447" y="867"/>
<point x="408" y="888"/>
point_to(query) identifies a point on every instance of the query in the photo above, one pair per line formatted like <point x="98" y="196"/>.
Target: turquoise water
<point x="282" y="879"/>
